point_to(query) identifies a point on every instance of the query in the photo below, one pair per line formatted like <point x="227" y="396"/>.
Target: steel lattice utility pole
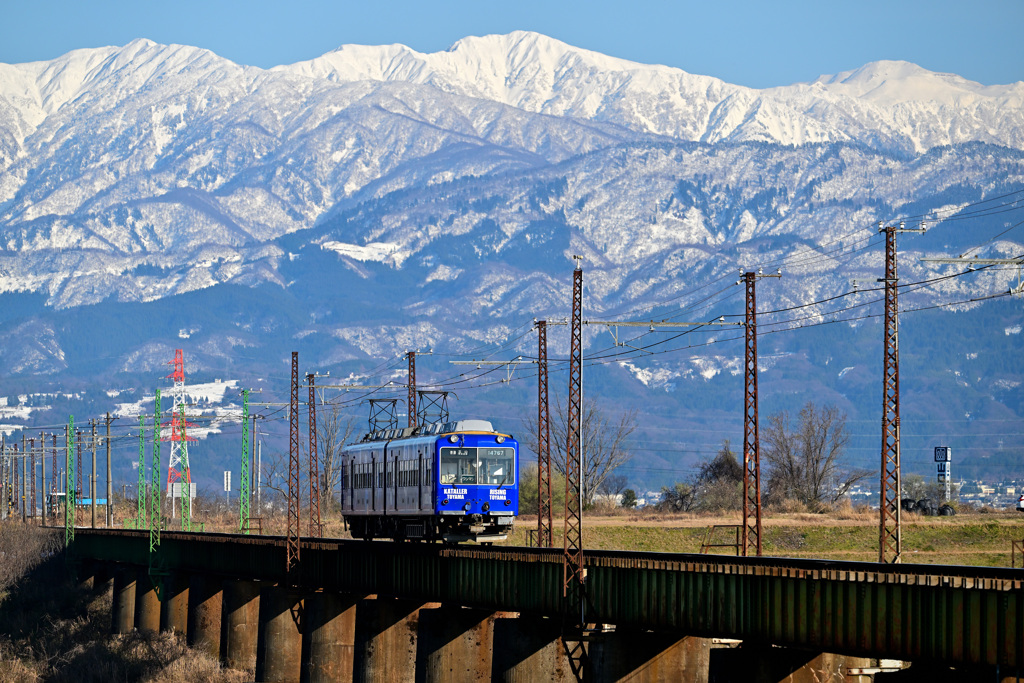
<point x="314" y="464"/>
<point x="544" y="531"/>
<point x="42" y="476"/>
<point x="140" y="503"/>
<point x="411" y="403"/>
<point x="79" y="489"/>
<point x="751" y="443"/>
<point x="292" y="556"/>
<point x="156" y="515"/>
<point x="92" y="478"/>
<point x="243" y="472"/>
<point x="110" y="481"/>
<point x="69" y="485"/>
<point x="889" y="534"/>
<point x="53" y="475"/>
<point x="573" y="589"/>
<point x="31" y="457"/>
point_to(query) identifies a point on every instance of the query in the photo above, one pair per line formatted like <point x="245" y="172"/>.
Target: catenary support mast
<point x="889" y="532"/>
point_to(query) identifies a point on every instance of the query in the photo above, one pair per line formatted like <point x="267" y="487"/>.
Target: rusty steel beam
<point x="53" y="466"/>
<point x="751" y="542"/>
<point x="32" y="476"/>
<point x="544" y="530"/>
<point x="294" y="494"/>
<point x="315" y="527"/>
<point x="411" y="401"/>
<point x="573" y="574"/>
<point x="889" y="533"/>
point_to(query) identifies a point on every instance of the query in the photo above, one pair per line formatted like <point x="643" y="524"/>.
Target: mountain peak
<point x="888" y="82"/>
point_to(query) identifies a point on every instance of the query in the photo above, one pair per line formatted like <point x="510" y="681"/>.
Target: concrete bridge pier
<point x="454" y="644"/>
<point x="122" y="610"/>
<point x="147" y="603"/>
<point x="385" y="642"/>
<point x="328" y="639"/>
<point x="648" y="657"/>
<point x="240" y="622"/>
<point x="530" y="649"/>
<point x="279" y="646"/>
<point x="205" y="599"/>
<point x="766" y="664"/>
<point x="174" y="613"/>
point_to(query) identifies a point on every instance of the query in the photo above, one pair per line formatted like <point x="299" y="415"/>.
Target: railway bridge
<point x="379" y="611"/>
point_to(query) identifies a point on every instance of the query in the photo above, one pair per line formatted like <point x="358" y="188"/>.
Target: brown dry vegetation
<point x="53" y="630"/>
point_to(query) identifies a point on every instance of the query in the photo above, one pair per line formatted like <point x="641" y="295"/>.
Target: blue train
<point x="453" y="481"/>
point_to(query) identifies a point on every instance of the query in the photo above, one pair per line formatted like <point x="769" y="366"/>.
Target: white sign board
<point x="227" y="480"/>
<point x="177" y="487"/>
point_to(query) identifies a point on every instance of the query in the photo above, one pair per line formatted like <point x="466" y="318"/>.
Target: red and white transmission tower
<point x="177" y="467"/>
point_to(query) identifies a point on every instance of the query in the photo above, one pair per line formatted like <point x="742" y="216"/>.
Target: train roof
<point x="433" y="429"/>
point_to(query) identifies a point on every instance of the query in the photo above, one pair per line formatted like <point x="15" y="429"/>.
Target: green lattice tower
<point x="155" y="513"/>
<point x="140" y="518"/>
<point x="69" y="487"/>
<point x="243" y="471"/>
<point x="186" y="482"/>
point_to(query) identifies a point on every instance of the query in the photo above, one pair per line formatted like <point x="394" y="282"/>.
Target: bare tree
<point x="719" y="483"/>
<point x="333" y="431"/>
<point x="677" y="498"/>
<point x="605" y="443"/>
<point x="804" y="463"/>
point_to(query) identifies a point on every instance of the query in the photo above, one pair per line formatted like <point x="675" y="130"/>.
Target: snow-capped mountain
<point x="376" y="199"/>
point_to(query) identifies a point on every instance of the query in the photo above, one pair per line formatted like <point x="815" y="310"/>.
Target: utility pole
<point x="110" y="482"/>
<point x="79" y="489"/>
<point x="751" y="444"/>
<point x="544" y="531"/>
<point x="243" y="473"/>
<point x="69" y="485"/>
<point x="141" y="520"/>
<point x="889" y="532"/>
<point x="53" y="476"/>
<point x="573" y="574"/>
<point x="293" y="538"/>
<point x="92" y="479"/>
<point x="24" y="481"/>
<point x="411" y="403"/>
<point x="32" y="466"/>
<point x="156" y="515"/>
<point x="315" y="528"/>
<point x="42" y="472"/>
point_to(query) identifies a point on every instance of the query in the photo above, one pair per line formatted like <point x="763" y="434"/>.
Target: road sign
<point x="943" y="454"/>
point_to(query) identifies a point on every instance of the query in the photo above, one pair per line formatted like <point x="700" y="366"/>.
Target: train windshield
<point x="488" y="466"/>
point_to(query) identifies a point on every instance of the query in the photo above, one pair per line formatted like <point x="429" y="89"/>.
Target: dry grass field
<point x="980" y="538"/>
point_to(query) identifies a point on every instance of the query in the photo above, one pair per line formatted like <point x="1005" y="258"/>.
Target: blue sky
<point x="754" y="43"/>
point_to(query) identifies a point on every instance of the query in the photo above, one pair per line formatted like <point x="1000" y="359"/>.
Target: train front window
<point x="497" y="466"/>
<point x="459" y="466"/>
<point x="489" y="466"/>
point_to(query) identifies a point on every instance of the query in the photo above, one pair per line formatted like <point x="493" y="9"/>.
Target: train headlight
<point x="508" y="502"/>
<point x="444" y="502"/>
<point x="485" y="507"/>
<point x="453" y="438"/>
<point x="499" y="439"/>
<point x="466" y="507"/>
